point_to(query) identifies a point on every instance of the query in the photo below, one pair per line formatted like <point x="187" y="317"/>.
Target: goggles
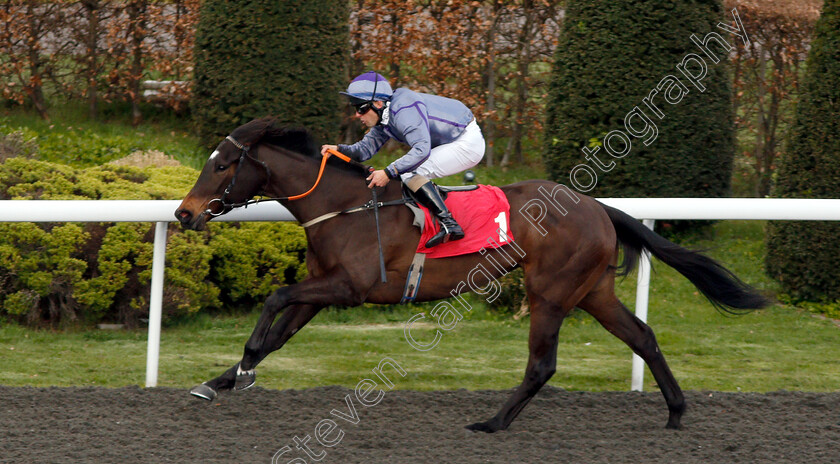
<point x="363" y="108"/>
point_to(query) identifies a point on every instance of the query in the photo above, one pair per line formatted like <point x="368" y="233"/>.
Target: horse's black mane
<point x="268" y="130"/>
<point x="293" y="138"/>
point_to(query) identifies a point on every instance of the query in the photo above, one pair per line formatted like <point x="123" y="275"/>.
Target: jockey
<point x="442" y="133"/>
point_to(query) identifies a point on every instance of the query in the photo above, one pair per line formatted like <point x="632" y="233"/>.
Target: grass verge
<point x="72" y="138"/>
<point x="778" y="348"/>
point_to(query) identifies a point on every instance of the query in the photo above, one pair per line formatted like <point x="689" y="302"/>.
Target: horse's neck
<point x="293" y="174"/>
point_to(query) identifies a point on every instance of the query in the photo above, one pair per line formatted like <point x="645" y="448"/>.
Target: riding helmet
<point x="367" y="87"/>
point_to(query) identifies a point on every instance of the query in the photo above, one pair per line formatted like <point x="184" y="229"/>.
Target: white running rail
<point x="162" y="212"/>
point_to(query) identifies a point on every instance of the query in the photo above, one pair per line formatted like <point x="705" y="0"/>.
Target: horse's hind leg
<point x="602" y="303"/>
<point x="546" y="319"/>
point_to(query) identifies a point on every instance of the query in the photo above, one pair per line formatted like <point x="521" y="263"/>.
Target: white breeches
<point x="451" y="158"/>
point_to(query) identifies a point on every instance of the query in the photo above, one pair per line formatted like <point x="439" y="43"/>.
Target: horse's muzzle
<point x="190" y="221"/>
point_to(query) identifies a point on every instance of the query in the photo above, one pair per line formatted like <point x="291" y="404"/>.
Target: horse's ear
<point x="250" y="133"/>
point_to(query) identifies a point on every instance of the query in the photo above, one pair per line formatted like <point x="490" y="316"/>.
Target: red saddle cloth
<point x="484" y="214"/>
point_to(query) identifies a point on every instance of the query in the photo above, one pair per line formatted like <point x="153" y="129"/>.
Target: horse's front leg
<point x="260" y="344"/>
<point x="302" y="302"/>
<point x="293" y="318"/>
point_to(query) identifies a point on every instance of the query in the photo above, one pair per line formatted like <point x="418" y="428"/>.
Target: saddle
<point x="482" y="211"/>
<point x="443" y="189"/>
<point x="410" y="200"/>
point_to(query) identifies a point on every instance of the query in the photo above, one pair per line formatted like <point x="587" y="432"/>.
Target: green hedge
<point x="52" y="274"/>
<point x="610" y="56"/>
<point x="802" y="256"/>
<point x="268" y="58"/>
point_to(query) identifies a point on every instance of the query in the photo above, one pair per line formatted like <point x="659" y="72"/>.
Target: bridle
<point x="245" y="153"/>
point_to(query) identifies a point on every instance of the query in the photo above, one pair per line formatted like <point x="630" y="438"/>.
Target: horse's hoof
<point x="482" y="427"/>
<point x="675" y="419"/>
<point x="245" y="379"/>
<point x="204" y="392"/>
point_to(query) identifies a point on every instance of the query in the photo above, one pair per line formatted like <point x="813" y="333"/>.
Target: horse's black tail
<point x="725" y="290"/>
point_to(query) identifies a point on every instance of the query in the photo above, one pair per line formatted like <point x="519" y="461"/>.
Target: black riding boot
<point x="430" y="197"/>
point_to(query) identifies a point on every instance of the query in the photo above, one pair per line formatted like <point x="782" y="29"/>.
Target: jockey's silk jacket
<point x="419" y="120"/>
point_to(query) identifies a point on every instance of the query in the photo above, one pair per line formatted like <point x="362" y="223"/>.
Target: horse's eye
<point x="221" y="167"/>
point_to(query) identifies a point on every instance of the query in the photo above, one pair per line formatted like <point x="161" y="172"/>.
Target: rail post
<point x="642" y="293"/>
<point x="156" y="303"/>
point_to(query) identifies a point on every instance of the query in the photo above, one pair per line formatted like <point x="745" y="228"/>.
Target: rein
<point x="245" y="153"/>
<point x="330" y="151"/>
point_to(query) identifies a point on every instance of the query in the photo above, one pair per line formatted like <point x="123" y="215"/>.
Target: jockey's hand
<point x="378" y="179"/>
<point x="324" y="149"/>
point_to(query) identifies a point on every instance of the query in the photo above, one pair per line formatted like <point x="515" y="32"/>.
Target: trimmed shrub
<point x="52" y="274"/>
<point x="610" y="56"/>
<point x="40" y="268"/>
<point x="802" y="255"/>
<point x="251" y="262"/>
<point x="264" y="57"/>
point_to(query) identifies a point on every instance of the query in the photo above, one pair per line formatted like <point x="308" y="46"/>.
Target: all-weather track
<point x="92" y="424"/>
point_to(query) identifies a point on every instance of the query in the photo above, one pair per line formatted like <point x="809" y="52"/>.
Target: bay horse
<point x="570" y="257"/>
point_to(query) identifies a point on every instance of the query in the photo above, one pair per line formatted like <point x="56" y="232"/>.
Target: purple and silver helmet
<point x="369" y="86"/>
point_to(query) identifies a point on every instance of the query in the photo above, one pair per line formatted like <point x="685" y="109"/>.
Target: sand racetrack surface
<point x="132" y="425"/>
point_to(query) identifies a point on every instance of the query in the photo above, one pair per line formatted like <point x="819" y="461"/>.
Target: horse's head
<point x="234" y="173"/>
<point x="231" y="176"/>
